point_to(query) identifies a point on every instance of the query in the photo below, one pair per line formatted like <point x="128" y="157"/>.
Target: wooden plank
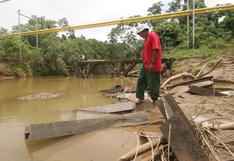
<point x="160" y="105"/>
<point x="204" y="91"/>
<point x="207" y="83"/>
<point x="223" y="81"/>
<point x="168" y="99"/>
<point x="184" y="144"/>
<point x="113" y="108"/>
<point x="191" y="82"/>
<point x="66" y="128"/>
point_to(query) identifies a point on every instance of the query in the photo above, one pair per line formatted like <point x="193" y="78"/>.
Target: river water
<point x="34" y="100"/>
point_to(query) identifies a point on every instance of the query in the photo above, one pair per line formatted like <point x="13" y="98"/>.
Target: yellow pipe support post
<point x="125" y="21"/>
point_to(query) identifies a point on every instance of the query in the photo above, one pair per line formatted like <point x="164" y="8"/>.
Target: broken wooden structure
<point x="120" y="67"/>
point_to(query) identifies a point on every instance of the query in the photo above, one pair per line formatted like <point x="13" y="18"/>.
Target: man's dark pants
<point x="150" y="80"/>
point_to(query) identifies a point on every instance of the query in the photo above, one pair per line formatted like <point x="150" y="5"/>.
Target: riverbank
<point x="204" y="54"/>
<point x="76" y="93"/>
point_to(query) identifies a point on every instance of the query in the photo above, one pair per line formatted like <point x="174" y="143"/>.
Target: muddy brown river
<point x="34" y="100"/>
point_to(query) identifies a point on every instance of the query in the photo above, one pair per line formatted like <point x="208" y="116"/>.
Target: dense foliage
<point x="58" y="54"/>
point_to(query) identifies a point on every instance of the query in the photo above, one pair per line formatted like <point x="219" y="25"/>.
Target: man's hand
<point x="152" y="67"/>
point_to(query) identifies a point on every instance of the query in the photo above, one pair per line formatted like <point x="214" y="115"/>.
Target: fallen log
<point x="139" y="150"/>
<point x="182" y="75"/>
<point x="223" y="126"/>
<point x="197" y="80"/>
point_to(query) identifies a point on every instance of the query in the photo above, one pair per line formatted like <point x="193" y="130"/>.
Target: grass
<point x="211" y="50"/>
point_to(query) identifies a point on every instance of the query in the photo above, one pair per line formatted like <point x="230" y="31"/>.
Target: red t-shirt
<point x="152" y="42"/>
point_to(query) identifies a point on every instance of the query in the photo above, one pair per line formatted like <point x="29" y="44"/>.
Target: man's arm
<point x="155" y="53"/>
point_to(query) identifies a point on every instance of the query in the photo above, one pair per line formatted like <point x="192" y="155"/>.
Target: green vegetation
<point x="58" y="54"/>
<point x="211" y="50"/>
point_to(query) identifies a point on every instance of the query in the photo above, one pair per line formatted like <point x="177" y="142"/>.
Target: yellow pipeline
<point x="126" y="21"/>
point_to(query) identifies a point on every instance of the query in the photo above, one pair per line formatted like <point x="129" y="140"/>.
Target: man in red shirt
<point x="152" y="65"/>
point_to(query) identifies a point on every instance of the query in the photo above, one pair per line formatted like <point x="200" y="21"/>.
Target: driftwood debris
<point x="185" y="74"/>
<point x="199" y="73"/>
<point x="183" y="140"/>
<point x="204" y="91"/>
<point x="223" y="126"/>
<point x="215" y="66"/>
<point x="156" y="155"/>
<point x="66" y="128"/>
<point x="178" y="76"/>
<point x="194" y="81"/>
<point x="139" y="150"/>
<point x="117" y="88"/>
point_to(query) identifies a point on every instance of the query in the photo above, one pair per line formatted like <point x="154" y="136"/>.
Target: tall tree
<point x="156" y="8"/>
<point x="174" y="5"/>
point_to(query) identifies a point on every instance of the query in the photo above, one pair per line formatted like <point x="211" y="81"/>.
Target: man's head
<point x="142" y="30"/>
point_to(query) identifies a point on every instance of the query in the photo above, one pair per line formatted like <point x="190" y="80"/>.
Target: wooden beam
<point x="121" y="68"/>
<point x="183" y="137"/>
<point x="170" y="102"/>
<point x="184" y="144"/>
<point x="206" y="84"/>
<point x="66" y="128"/>
<point x="204" y="91"/>
<point x="82" y="65"/>
<point x="129" y="69"/>
<point x="114" y="67"/>
<point x="91" y="69"/>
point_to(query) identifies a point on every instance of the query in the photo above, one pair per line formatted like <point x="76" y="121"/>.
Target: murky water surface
<point x="34" y="100"/>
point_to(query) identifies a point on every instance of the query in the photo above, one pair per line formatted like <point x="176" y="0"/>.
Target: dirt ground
<point x="213" y="106"/>
<point x="217" y="108"/>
